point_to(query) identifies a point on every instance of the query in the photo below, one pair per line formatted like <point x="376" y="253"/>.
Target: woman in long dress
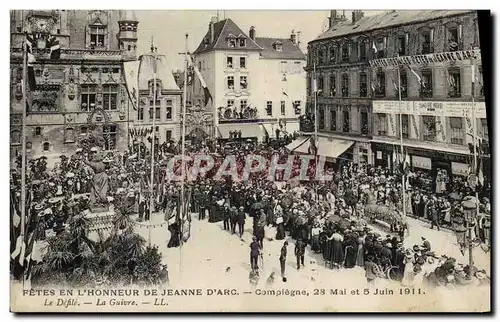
<point x="408" y="271"/>
<point x="360" y="258"/>
<point x="280" y="229"/>
<point x="337" y="249"/>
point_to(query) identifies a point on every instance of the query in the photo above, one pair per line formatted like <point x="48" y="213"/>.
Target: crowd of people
<point x="333" y="218"/>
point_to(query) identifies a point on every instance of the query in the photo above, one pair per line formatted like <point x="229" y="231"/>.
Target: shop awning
<point x="327" y="147"/>
<point x="332" y="148"/>
<point x="297" y="143"/>
<point x="247" y="130"/>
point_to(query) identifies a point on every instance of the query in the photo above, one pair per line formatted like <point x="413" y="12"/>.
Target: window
<point x="38" y="131"/>
<point x="157" y="116"/>
<point x="454" y="82"/>
<point x="109" y="97"/>
<point x="231" y="42"/>
<point x="345" y="52"/>
<point x="403" y="84"/>
<point x="333" y="54"/>
<point x="243" y="62"/>
<point x="88" y="97"/>
<point x="69" y="135"/>
<point x="381" y="46"/>
<point x="480" y="81"/>
<point x="321" y="56"/>
<point x="457" y="132"/>
<point x="278" y="46"/>
<point x="283" y="108"/>
<point x="406" y="125"/>
<point x="15" y="137"/>
<point x="382" y="124"/>
<point x="321" y="85"/>
<point x="362" y="50"/>
<point x="109" y="133"/>
<point x="229" y="62"/>
<point x="140" y="113"/>
<point x="346" y="124"/>
<point x="429" y="125"/>
<point x="363" y="86"/>
<point x="380" y="85"/>
<point x="168" y="135"/>
<point x="296" y="107"/>
<point x="97" y="37"/>
<point x="364" y="123"/>
<point x="426" y="86"/>
<point x="243" y="82"/>
<point x="345" y="85"/>
<point x="29" y="145"/>
<point x="453" y="39"/>
<point x="426" y="40"/>
<point x="402" y="45"/>
<point x="333" y="85"/>
<point x="269" y="108"/>
<point x="242" y="42"/>
<point x="243" y="104"/>
<point x="230" y="103"/>
<point x="151" y="103"/>
<point x="484" y="128"/>
<point x="333" y="120"/>
<point x="83" y="130"/>
<point x="230" y="82"/>
<point x="321" y="117"/>
<point x="168" y="109"/>
<point x="46" y="146"/>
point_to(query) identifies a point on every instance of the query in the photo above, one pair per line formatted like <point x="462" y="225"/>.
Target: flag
<point x="206" y="91"/>
<point x="448" y="77"/>
<point x="284" y="93"/>
<point x="374" y="47"/>
<point x="417" y="76"/>
<point x="30" y="61"/>
<point x="55" y="48"/>
<point x="406" y="166"/>
<point x="315" y="85"/>
<point x="131" y="73"/>
<point x="480" y="175"/>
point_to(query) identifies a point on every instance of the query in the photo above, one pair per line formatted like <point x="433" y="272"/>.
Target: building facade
<point x="166" y="108"/>
<point x="432" y="51"/>
<point x="82" y="89"/>
<point x="257" y="84"/>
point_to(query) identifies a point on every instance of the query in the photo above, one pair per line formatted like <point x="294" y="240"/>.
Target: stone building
<point x="356" y="64"/>
<point x="257" y="84"/>
<point x="83" y="88"/>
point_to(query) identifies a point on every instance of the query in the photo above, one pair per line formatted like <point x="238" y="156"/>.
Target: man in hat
<point x="241" y="220"/>
<point x="254" y="253"/>
<point x="300" y="248"/>
<point x="233" y="218"/>
<point x="226" y="214"/>
<point x="283" y="258"/>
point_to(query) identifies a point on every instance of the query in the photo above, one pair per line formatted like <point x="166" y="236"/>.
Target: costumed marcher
<point x="300" y="248"/>
<point x="283" y="258"/>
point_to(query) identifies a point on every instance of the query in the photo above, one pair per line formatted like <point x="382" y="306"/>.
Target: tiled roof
<point x="384" y="20"/>
<point x="290" y="50"/>
<point x="222" y="30"/>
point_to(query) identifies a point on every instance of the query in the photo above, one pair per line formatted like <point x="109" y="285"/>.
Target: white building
<point x="256" y="83"/>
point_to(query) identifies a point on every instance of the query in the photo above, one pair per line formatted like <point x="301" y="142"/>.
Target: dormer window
<point x="278" y="46"/>
<point x="231" y="41"/>
<point x="242" y="42"/>
<point x="98" y="36"/>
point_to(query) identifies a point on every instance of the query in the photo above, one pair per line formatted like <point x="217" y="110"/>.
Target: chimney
<point x="293" y="37"/>
<point x="357" y="15"/>
<point x="343" y="18"/>
<point x="332" y="19"/>
<point x="251" y="33"/>
<point x="212" y="32"/>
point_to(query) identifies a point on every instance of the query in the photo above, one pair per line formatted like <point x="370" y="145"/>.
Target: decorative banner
<point x="131" y="72"/>
<point x="391" y="119"/>
<point x="460" y="168"/>
<point x="421" y="162"/>
<point x="453" y="109"/>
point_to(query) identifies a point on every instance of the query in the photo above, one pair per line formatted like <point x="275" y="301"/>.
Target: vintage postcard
<point x="250" y="161"/>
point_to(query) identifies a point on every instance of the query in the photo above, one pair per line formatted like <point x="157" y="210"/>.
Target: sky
<point x="168" y="28"/>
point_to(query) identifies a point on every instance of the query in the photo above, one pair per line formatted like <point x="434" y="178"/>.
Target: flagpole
<point x="184" y="108"/>
<point x="403" y="177"/>
<point x="151" y="184"/>
<point x="316" y="147"/>
<point x="23" y="149"/>
<point x="475" y="166"/>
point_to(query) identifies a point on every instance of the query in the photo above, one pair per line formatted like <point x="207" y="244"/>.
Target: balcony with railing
<point x="233" y="114"/>
<point x="427" y="48"/>
<point x="78" y="54"/>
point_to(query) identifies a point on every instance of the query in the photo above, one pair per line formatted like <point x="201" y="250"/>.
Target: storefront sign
<point x="453" y="109"/>
<point x="461" y="169"/>
<point x="421" y="162"/>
